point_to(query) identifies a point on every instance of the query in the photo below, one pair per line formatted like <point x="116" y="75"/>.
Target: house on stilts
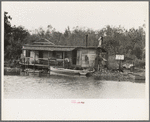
<point x="42" y="54"/>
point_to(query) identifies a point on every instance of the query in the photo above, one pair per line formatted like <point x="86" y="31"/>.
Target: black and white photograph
<point x="75" y="60"/>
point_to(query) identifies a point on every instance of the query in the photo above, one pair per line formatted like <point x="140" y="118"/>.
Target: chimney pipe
<point x="86" y="40"/>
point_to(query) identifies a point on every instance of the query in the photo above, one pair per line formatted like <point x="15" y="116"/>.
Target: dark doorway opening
<point x="74" y="57"/>
<point x="40" y="54"/>
<point x="28" y="53"/>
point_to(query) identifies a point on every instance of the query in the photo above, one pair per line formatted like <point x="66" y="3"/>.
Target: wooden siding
<point x="45" y="54"/>
<point x="86" y="57"/>
<point x="79" y="57"/>
<point x="34" y="56"/>
<point x="50" y="54"/>
<point x="24" y="53"/>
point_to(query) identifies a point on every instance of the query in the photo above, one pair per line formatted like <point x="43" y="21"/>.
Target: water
<point x="62" y="87"/>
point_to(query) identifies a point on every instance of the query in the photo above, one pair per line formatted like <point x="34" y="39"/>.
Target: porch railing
<point x="42" y="61"/>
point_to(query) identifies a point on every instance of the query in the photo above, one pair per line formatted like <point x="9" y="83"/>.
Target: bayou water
<point x="68" y="87"/>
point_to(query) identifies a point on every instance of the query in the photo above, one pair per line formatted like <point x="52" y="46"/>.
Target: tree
<point x="7" y="29"/>
<point x="16" y="41"/>
<point x="14" y="38"/>
<point x="117" y="40"/>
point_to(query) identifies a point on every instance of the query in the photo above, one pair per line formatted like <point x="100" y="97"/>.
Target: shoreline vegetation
<point x="119" y="76"/>
<point x="137" y="76"/>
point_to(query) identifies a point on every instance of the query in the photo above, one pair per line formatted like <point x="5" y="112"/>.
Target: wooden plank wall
<point x="45" y="54"/>
<point x="79" y="57"/>
<point x="82" y="54"/>
<point x="24" y="52"/>
<point x="91" y="56"/>
<point x="34" y="54"/>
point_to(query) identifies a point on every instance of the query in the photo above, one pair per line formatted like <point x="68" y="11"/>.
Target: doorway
<point x="74" y="57"/>
<point x="40" y="54"/>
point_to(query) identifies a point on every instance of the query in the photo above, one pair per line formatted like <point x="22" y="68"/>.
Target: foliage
<point x="14" y="38"/>
<point x="117" y="40"/>
<point x="139" y="63"/>
<point x="7" y="29"/>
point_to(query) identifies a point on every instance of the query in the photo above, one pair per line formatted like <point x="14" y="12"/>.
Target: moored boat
<point x="64" y="71"/>
<point x="70" y="71"/>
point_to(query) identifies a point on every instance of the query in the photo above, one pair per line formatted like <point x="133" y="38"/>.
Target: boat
<point x="70" y="71"/>
<point x="64" y="71"/>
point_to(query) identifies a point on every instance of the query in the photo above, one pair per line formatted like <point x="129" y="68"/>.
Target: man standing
<point x="98" y="62"/>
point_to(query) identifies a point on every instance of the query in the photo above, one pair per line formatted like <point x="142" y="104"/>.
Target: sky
<point x="93" y="15"/>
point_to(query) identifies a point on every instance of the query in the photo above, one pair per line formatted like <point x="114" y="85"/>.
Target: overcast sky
<point x="95" y="15"/>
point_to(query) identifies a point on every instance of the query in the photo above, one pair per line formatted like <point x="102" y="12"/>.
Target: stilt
<point x="34" y="65"/>
<point x="48" y="65"/>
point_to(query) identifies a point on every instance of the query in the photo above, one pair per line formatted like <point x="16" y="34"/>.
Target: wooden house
<point x="38" y="53"/>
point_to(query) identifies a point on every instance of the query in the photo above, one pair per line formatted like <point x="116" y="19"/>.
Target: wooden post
<point x="48" y="66"/>
<point x="119" y="65"/>
<point x="63" y="59"/>
<point x="27" y="62"/>
<point x="24" y="63"/>
<point x="24" y="66"/>
<point x="34" y="62"/>
<point x="81" y="57"/>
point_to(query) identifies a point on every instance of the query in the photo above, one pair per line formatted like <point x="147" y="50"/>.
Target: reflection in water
<point x="62" y="87"/>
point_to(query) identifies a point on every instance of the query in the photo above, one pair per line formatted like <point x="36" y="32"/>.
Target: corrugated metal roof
<point x="48" y="48"/>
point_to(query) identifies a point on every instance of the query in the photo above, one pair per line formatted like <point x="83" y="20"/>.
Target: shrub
<point x="139" y="63"/>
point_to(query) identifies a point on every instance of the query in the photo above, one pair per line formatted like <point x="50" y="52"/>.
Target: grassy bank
<point x="115" y="76"/>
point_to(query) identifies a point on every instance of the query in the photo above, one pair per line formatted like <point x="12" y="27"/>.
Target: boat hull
<point x="64" y="71"/>
<point x="69" y="71"/>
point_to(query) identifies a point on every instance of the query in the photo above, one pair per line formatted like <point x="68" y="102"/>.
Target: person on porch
<point x="67" y="63"/>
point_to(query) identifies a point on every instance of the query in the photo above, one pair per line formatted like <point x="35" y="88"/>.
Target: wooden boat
<point x="64" y="71"/>
<point x="70" y="71"/>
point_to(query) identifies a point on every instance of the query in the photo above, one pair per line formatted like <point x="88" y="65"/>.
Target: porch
<point x="42" y="58"/>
